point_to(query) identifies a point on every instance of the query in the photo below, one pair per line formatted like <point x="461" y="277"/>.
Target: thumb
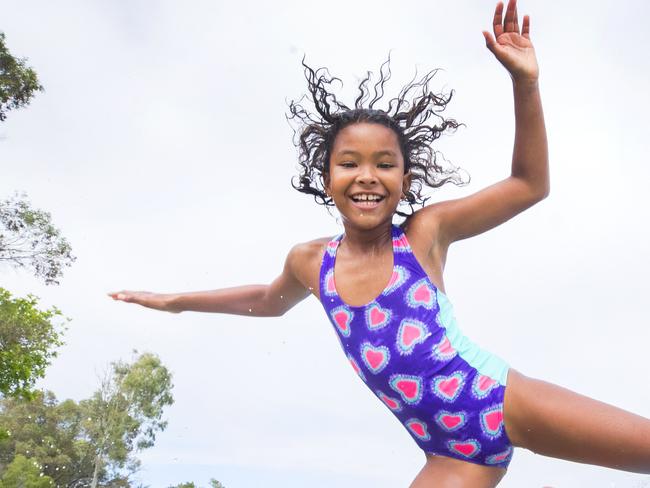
<point x="490" y="43"/>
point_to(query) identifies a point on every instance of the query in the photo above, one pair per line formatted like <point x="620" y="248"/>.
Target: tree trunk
<point x="98" y="461"/>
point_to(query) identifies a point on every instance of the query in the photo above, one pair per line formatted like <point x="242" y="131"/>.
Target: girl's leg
<point x="447" y="472"/>
<point x="554" y="421"/>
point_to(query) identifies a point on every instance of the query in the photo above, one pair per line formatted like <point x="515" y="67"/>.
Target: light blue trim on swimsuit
<point x="485" y="362"/>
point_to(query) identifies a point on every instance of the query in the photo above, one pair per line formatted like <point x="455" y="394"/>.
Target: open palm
<point x="511" y="47"/>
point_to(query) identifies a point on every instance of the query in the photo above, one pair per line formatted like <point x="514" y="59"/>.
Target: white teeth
<point x="365" y="197"/>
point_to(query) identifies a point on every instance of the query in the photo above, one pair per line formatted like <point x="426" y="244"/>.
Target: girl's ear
<point x="326" y="181"/>
<point x="406" y="182"/>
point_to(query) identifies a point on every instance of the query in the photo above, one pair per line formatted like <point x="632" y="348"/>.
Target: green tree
<point x="28" y="338"/>
<point x="93" y="441"/>
<point x="28" y="239"/>
<point x="24" y="473"/>
<point x="125" y="414"/>
<point x="18" y="83"/>
<point x="49" y="432"/>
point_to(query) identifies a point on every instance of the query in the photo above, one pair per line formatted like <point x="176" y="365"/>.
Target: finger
<point x="509" y="22"/>
<point x="516" y="21"/>
<point x="497" y="22"/>
<point x="490" y="43"/>
<point x="119" y="295"/>
<point x="525" y="29"/>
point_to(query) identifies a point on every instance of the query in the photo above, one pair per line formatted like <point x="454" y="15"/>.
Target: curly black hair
<point x="317" y="132"/>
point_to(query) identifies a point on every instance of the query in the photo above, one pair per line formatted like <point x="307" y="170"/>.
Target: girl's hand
<point x="157" y="301"/>
<point x="512" y="48"/>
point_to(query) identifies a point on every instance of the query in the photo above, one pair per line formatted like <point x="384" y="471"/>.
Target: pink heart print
<point x="391" y="403"/>
<point x="448" y="387"/>
<point x="451" y="421"/>
<point x="342" y="318"/>
<point x="376" y="358"/>
<point x="444" y="350"/>
<point x="468" y="448"/>
<point x="420" y="294"/>
<point x="377" y="317"/>
<point x="500" y="457"/>
<point x="419" y="428"/>
<point x="492" y="420"/>
<point x="410" y="334"/>
<point x="408" y="386"/>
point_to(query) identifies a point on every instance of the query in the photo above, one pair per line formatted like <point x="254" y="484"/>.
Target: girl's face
<point x="366" y="178"/>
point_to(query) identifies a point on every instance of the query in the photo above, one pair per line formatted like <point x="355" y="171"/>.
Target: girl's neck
<point x="363" y="241"/>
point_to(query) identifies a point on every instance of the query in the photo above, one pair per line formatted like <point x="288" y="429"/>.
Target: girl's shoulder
<point x="305" y="259"/>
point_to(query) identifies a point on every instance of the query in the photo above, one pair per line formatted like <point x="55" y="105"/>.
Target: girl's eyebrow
<point x="385" y="152"/>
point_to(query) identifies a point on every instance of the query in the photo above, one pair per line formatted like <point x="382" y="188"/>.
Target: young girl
<point x="381" y="284"/>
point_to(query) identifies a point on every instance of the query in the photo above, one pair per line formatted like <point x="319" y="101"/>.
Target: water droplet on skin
<point x="250" y="310"/>
<point x="281" y="296"/>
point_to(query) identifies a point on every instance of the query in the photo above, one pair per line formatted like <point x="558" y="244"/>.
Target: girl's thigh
<point x="554" y="421"/>
<point x="446" y="472"/>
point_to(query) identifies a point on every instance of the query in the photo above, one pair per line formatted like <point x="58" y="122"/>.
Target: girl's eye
<point x="347" y="164"/>
<point x="386" y="165"/>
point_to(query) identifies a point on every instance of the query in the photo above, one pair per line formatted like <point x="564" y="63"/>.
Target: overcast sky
<point x="161" y="150"/>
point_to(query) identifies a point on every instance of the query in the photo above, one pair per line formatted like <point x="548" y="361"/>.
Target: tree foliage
<point x="126" y="412"/>
<point x="28" y="339"/>
<point x="92" y="442"/>
<point x="28" y="239"/>
<point x="24" y="473"/>
<point x="18" y="83"/>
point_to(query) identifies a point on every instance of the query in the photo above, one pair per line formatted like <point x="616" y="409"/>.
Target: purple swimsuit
<point x="405" y="345"/>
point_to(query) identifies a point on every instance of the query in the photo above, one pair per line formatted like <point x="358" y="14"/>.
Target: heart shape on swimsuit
<point x="375" y="358"/>
<point x="408" y="386"/>
<point x="492" y="420"/>
<point x="356" y="368"/>
<point x="342" y="318"/>
<point x="410" y="333"/>
<point x="420" y="294"/>
<point x="392" y="403"/>
<point x="450" y="421"/>
<point x="397" y="279"/>
<point x="499" y="458"/>
<point x="419" y="428"/>
<point x="377" y="317"/>
<point x="330" y="289"/>
<point x="483" y="385"/>
<point x="448" y="387"/>
<point x="443" y="351"/>
<point x="468" y="448"/>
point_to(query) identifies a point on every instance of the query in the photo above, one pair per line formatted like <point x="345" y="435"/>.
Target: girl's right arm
<point x="272" y="300"/>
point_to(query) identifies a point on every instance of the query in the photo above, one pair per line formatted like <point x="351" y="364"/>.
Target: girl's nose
<point x="366" y="174"/>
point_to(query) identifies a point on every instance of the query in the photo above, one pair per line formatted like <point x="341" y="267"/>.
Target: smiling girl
<point x="382" y="288"/>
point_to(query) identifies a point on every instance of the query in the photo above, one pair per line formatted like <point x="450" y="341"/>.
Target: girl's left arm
<point x="528" y="183"/>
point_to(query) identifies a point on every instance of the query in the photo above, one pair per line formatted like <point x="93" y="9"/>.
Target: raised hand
<point x="512" y="48"/>
<point x="157" y="301"/>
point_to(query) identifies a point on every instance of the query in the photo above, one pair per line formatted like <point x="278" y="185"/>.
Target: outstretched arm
<point x="528" y="183"/>
<point x="270" y="300"/>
